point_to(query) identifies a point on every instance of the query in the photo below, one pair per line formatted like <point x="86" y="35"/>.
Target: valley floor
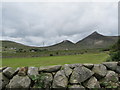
<point x="55" y="60"/>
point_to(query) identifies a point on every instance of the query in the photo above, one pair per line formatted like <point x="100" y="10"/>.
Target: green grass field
<point x="55" y="60"/>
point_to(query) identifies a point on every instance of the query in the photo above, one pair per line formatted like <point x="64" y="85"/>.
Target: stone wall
<point x="105" y="75"/>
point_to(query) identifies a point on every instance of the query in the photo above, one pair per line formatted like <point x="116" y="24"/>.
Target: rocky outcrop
<point x="71" y="76"/>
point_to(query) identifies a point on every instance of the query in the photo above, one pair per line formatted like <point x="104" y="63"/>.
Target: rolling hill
<point x="12" y="44"/>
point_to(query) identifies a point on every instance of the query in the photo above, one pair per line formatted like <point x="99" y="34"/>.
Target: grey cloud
<point x="35" y="23"/>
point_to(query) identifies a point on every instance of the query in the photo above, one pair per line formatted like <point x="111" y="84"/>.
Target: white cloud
<point x="35" y="23"/>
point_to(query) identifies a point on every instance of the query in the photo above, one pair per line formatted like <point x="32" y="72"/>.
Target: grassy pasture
<point x="55" y="60"/>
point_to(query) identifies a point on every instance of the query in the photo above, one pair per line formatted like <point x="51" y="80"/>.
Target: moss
<point x="38" y="80"/>
<point x="109" y="84"/>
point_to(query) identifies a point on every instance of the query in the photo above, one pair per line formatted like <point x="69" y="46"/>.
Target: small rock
<point x="67" y="70"/>
<point x="53" y="73"/>
<point x="99" y="70"/>
<point x="60" y="80"/>
<point x="92" y="83"/>
<point x="90" y="66"/>
<point x="23" y="71"/>
<point x="32" y="71"/>
<point x="9" y="72"/>
<point x="111" y="65"/>
<point x="54" y="68"/>
<point x="19" y="82"/>
<point x="80" y="74"/>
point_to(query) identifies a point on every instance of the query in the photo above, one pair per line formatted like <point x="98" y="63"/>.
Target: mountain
<point x="96" y="40"/>
<point x="92" y="41"/>
<point x="64" y="45"/>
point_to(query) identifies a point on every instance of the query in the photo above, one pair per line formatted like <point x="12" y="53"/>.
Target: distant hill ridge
<point x="94" y="40"/>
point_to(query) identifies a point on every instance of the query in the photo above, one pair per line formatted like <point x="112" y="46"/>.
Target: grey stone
<point x="32" y="71"/>
<point x="111" y="65"/>
<point x="60" y="80"/>
<point x="47" y="81"/>
<point x="99" y="70"/>
<point x="67" y="70"/>
<point x="54" y="68"/>
<point x="74" y="65"/>
<point x="92" y="83"/>
<point x="118" y="69"/>
<point x="74" y="87"/>
<point x="3" y="81"/>
<point x="80" y="74"/>
<point x="19" y="82"/>
<point x="9" y="72"/>
<point x="2" y="68"/>
<point x="87" y="65"/>
<point x="118" y="63"/>
<point x="111" y="76"/>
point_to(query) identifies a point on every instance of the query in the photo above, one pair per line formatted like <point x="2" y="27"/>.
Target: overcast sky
<point x="35" y="23"/>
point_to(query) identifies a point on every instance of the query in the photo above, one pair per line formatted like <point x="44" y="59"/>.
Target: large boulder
<point x="92" y="83"/>
<point x="9" y="72"/>
<point x="111" y="65"/>
<point x="80" y="74"/>
<point x="67" y="70"/>
<point x="32" y="71"/>
<point x="3" y="81"/>
<point x="54" y="68"/>
<point x="99" y="70"/>
<point x="19" y="82"/>
<point x="60" y="80"/>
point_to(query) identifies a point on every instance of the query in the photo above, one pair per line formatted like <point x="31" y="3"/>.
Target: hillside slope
<point x="64" y="45"/>
<point x="96" y="40"/>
